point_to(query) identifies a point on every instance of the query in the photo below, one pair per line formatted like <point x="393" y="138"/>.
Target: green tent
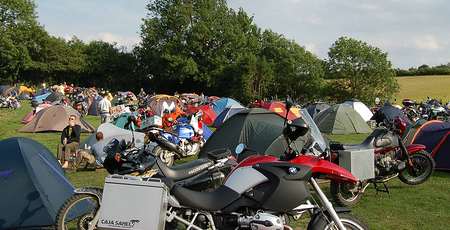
<point x="341" y="119"/>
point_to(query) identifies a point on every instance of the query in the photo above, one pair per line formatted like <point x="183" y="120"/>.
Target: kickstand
<point x="385" y="188"/>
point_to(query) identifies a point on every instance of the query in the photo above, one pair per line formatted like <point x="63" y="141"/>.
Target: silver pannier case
<point x="131" y="203"/>
<point x="360" y="162"/>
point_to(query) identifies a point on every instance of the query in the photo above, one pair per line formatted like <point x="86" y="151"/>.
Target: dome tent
<point x="55" y="118"/>
<point x="225" y="115"/>
<point x="341" y="119"/>
<point x="316" y="108"/>
<point x="435" y="135"/>
<point x="260" y="129"/>
<point x="223" y="103"/>
<point x="360" y="108"/>
<point x="33" y="185"/>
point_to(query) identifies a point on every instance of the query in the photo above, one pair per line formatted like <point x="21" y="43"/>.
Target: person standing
<point x="104" y="108"/>
<point x="70" y="139"/>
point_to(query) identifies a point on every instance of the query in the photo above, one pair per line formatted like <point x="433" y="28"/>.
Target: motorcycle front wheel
<point x="422" y="169"/>
<point x="321" y="222"/>
<point x="165" y="155"/>
<point x="345" y="194"/>
<point x="77" y="212"/>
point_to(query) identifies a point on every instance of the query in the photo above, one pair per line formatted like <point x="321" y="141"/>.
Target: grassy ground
<point x="419" y="87"/>
<point x="426" y="206"/>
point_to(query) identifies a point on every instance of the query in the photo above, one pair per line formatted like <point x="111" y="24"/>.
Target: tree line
<point x="424" y="70"/>
<point x="193" y="46"/>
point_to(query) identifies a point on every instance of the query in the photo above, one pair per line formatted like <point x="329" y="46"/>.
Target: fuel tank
<point x="275" y="185"/>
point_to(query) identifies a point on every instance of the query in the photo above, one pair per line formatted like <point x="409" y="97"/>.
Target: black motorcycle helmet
<point x="296" y="129"/>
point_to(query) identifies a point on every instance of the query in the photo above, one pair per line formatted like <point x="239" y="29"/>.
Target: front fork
<point x="405" y="153"/>
<point x="327" y="204"/>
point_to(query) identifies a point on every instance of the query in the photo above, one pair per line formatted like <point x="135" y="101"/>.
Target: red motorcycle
<point x="411" y="164"/>
<point x="261" y="192"/>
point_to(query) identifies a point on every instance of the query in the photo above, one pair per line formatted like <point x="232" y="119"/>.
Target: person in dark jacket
<point x="70" y="139"/>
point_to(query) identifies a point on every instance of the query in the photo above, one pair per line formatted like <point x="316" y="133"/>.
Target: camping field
<point x="421" y="87"/>
<point x="426" y="206"/>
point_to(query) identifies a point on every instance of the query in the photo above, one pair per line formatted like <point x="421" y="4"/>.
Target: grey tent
<point x="341" y="119"/>
<point x="259" y="129"/>
<point x="93" y="104"/>
<point x="6" y="90"/>
<point x="54" y="97"/>
<point x="55" y="118"/>
<point x="33" y="186"/>
<point x="316" y="108"/>
<point x="110" y="131"/>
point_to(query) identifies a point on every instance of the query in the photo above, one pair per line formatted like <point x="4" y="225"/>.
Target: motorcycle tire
<point x="82" y="221"/>
<point x="320" y="222"/>
<point x="426" y="165"/>
<point x="341" y="194"/>
<point x="162" y="154"/>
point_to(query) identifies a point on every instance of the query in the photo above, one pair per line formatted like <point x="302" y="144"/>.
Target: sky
<point x="413" y="32"/>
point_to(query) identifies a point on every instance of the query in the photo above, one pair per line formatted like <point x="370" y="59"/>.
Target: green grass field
<point x="420" y="87"/>
<point x="426" y="206"/>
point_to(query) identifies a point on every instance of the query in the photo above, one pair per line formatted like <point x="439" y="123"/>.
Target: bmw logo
<point x="293" y="170"/>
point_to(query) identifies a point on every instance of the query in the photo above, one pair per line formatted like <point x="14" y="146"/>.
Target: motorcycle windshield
<point x="315" y="132"/>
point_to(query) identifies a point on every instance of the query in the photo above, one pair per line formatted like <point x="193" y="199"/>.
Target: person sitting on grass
<point x="86" y="158"/>
<point x="70" y="139"/>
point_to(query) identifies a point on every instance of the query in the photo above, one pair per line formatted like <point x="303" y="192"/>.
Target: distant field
<point x="419" y="87"/>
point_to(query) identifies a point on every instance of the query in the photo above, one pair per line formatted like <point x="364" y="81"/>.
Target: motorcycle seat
<point x="218" y="154"/>
<point x="368" y="143"/>
<point x="186" y="170"/>
<point x="211" y="201"/>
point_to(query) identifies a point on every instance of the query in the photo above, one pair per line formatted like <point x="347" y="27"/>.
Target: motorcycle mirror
<point x="289" y="103"/>
<point x="240" y="148"/>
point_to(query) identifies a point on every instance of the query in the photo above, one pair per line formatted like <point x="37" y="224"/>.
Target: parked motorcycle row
<point x="430" y="109"/>
<point x="9" y="102"/>
<point x="224" y="191"/>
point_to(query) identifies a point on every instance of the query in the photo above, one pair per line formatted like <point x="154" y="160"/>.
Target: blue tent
<point x="226" y="113"/>
<point x="207" y="132"/>
<point x="223" y="103"/>
<point x="435" y="135"/>
<point x="42" y="91"/>
<point x="33" y="186"/>
<point x="41" y="98"/>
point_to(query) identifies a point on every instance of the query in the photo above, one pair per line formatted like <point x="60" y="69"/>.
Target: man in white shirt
<point x="104" y="109"/>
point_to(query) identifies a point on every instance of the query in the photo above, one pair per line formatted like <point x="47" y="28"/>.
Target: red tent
<point x="208" y="113"/>
<point x="278" y="107"/>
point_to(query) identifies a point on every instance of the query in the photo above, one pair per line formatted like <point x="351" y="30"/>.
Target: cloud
<point x="127" y="41"/>
<point x="311" y="47"/>
<point x="427" y="42"/>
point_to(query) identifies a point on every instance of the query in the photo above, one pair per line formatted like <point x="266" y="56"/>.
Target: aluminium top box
<point x="130" y="203"/>
<point x="360" y="162"/>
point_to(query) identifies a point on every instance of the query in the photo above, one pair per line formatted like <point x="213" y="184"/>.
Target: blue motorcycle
<point x="183" y="141"/>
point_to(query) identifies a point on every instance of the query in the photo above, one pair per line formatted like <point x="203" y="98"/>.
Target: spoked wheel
<point x="345" y="194"/>
<point x="165" y="155"/>
<point x="422" y="168"/>
<point x="77" y="212"/>
<point x="321" y="222"/>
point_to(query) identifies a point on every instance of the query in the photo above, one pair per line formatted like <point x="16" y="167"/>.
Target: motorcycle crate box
<point x="360" y="162"/>
<point x="131" y="203"/>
